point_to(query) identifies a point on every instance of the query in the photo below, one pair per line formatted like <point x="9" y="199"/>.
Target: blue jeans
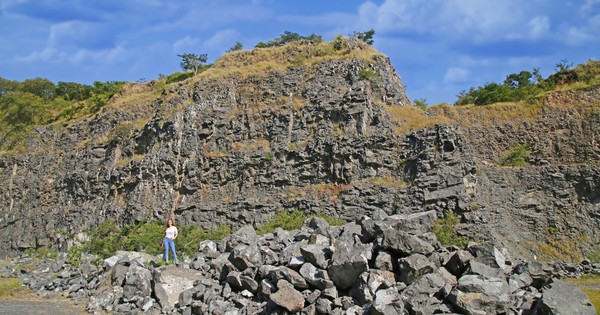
<point x="169" y="243"/>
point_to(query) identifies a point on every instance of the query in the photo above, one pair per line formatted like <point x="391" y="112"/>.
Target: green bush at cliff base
<point x="292" y="220"/>
<point x="108" y="238"/>
<point x="445" y="230"/>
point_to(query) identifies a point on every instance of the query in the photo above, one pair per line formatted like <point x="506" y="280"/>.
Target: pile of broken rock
<point x="385" y="265"/>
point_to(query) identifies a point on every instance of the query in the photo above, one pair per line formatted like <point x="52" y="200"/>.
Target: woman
<point x="169" y="241"/>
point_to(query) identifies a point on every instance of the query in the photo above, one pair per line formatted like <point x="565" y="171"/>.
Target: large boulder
<point x="560" y="298"/>
<point x="288" y="298"/>
<point x="415" y="223"/>
<point x="171" y="281"/>
<point x="476" y="294"/>
<point x="138" y="283"/>
<point x="413" y="267"/>
<point x="405" y="244"/>
<point x="347" y="263"/>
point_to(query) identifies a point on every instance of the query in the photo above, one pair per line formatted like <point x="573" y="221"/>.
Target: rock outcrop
<point x="236" y="143"/>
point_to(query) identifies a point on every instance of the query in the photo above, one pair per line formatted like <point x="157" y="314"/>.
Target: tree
<point x="236" y="47"/>
<point x="41" y="87"/>
<point x="192" y="62"/>
<point x="366" y="37"/>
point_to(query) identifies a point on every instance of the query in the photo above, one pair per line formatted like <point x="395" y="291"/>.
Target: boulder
<point x="138" y="283"/>
<point x="290" y="275"/>
<point x="387" y="302"/>
<point x="458" y="262"/>
<point x="476" y="294"/>
<point x="245" y="256"/>
<point x="404" y="244"/>
<point x="415" y="223"/>
<point x="288" y="298"/>
<point x="171" y="281"/>
<point x="245" y="235"/>
<point x="413" y="267"/>
<point x="316" y="277"/>
<point x="316" y="254"/>
<point x="346" y="265"/>
<point x="560" y="297"/>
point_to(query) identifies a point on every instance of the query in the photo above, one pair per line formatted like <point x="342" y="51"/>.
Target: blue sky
<point x="438" y="47"/>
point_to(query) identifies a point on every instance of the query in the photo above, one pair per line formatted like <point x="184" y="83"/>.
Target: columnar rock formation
<point x="251" y="136"/>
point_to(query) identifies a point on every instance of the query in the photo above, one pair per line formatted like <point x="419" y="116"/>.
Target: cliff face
<point x="236" y="146"/>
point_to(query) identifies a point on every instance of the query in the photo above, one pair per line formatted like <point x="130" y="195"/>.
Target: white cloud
<point x="45" y="55"/>
<point x="456" y="75"/>
<point x="575" y="36"/>
<point x="220" y="39"/>
<point x="539" y="26"/>
<point x="187" y="43"/>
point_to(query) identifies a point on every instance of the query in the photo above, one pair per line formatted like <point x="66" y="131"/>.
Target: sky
<point x="438" y="47"/>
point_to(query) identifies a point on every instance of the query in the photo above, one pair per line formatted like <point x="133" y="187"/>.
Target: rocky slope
<point x="302" y="127"/>
<point x="384" y="266"/>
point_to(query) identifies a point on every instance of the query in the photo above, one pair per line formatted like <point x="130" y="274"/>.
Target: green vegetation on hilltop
<point x="527" y="85"/>
<point x="39" y="101"/>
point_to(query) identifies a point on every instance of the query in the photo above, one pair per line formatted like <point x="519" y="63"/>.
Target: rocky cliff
<point x="303" y="127"/>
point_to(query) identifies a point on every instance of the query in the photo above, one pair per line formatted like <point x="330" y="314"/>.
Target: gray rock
<point x="404" y="244"/>
<point x="317" y="225"/>
<point x="477" y="268"/>
<point x="316" y="254"/>
<point x="489" y="255"/>
<point x="138" y="282"/>
<point x="323" y="306"/>
<point x="316" y="277"/>
<point x="415" y="223"/>
<point x="384" y="261"/>
<point x="477" y="294"/>
<point x="387" y="302"/>
<point x="245" y="235"/>
<point x="246" y="256"/>
<point x="265" y="289"/>
<point x="459" y="262"/>
<point x="560" y="297"/>
<point x="290" y="275"/>
<point x="170" y="282"/>
<point x="346" y="265"/>
<point x="413" y="267"/>
<point x="208" y="248"/>
<point x="425" y="295"/>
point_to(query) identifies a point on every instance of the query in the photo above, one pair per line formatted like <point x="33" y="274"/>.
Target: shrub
<point x="42" y="252"/>
<point x="445" y="230"/>
<point x="517" y="156"/>
<point x="179" y="76"/>
<point x="146" y="237"/>
<point x="292" y="220"/>
<point x="74" y="255"/>
<point x="368" y="74"/>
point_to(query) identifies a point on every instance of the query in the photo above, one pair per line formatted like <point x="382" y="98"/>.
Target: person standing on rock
<point x="169" y="241"/>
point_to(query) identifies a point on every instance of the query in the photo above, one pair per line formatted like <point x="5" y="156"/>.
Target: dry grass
<point x="563" y="248"/>
<point x="590" y="285"/>
<point x="411" y="118"/>
<point x="389" y="181"/>
<point x="12" y="288"/>
<point x="250" y="146"/>
<point x="262" y="61"/>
